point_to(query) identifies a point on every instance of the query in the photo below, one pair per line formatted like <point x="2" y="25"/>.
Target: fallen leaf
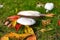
<point x="14" y="23"/>
<point x="12" y="18"/>
<point x="49" y="15"/>
<point x="15" y="35"/>
<point x="32" y="37"/>
<point x="4" y="38"/>
<point x="46" y="22"/>
<point x="28" y="30"/>
<point x="17" y="27"/>
<point x="43" y="30"/>
<point x="50" y="29"/>
<point x="58" y="22"/>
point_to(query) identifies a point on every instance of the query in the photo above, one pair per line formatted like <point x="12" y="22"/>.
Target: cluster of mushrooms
<point x="26" y="18"/>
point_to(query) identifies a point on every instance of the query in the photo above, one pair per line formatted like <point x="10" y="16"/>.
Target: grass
<point x="12" y="7"/>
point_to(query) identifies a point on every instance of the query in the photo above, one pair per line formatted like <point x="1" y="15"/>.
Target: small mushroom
<point x="49" y="6"/>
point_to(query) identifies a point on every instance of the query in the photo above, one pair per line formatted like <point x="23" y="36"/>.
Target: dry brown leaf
<point x="50" y="15"/>
<point x="46" y="22"/>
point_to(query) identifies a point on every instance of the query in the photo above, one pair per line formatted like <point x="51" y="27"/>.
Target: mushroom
<point x="33" y="14"/>
<point x="49" y="6"/>
<point x="30" y="14"/>
<point x="27" y="22"/>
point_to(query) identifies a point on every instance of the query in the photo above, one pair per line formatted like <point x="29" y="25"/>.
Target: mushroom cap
<point x="26" y="21"/>
<point x="29" y="13"/>
<point x="49" y="6"/>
